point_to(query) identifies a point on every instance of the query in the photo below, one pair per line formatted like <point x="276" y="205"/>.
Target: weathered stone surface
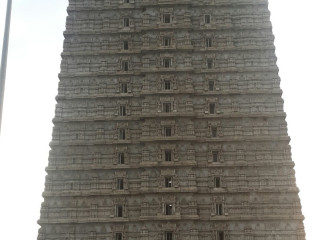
<point x="170" y="125"/>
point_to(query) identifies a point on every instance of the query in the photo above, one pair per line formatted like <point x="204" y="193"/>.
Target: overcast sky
<point x="31" y="86"/>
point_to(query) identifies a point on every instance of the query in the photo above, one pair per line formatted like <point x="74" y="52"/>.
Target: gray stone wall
<point x="169" y="125"/>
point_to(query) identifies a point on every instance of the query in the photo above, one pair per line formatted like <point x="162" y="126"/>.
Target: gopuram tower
<point x="169" y="125"/>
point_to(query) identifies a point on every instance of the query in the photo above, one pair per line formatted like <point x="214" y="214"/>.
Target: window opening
<point x="122" y="134"/>
<point x="120" y="184"/>
<point x="214" y="132"/>
<point x="118" y="236"/>
<point x="167" y="85"/>
<point x="210" y="63"/>
<point x="124" y="88"/>
<point x="167" y="42"/>
<point x="166" y="62"/>
<point x="215" y="156"/>
<point x="125" y="45"/>
<point x="122" y="110"/>
<point x="121" y="158"/>
<point x="209" y="42"/>
<point x="217" y="182"/>
<point x="126" y="22"/>
<point x="211" y="85"/>
<point x="167" y="107"/>
<point x="169" y="236"/>
<point x="168" y="182"/>
<point x="119" y="211"/>
<point x="166" y="18"/>
<point x="212" y="108"/>
<point x="219" y="209"/>
<point x="125" y="66"/>
<point x="168" y="155"/>
<point x="167" y="131"/>
<point x="168" y="209"/>
<point x="207" y="19"/>
<point x="220" y="235"/>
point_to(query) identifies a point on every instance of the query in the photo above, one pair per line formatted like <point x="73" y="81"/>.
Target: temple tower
<point x="169" y="125"/>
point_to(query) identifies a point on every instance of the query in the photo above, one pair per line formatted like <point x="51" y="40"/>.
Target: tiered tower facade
<point x="170" y="126"/>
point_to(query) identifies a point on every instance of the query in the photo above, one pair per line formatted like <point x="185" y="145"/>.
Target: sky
<point x="31" y="86"/>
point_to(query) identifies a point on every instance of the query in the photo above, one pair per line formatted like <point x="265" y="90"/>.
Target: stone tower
<point x="170" y="126"/>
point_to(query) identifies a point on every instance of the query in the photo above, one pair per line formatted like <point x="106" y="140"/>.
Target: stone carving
<point x="170" y="104"/>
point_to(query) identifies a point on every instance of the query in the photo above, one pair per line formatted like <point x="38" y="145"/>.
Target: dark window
<point x="118" y="236"/>
<point x="220" y="235"/>
<point x="125" y="66"/>
<point x="217" y="182"/>
<point x="214" y="132"/>
<point x="167" y="131"/>
<point x="121" y="158"/>
<point x="219" y="209"/>
<point x="122" y="110"/>
<point x="167" y="107"/>
<point x="210" y="63"/>
<point x="207" y="19"/>
<point x="168" y="182"/>
<point x="125" y="45"/>
<point x="168" y="155"/>
<point x="211" y="85"/>
<point x="215" y="156"/>
<point x="167" y="85"/>
<point x="119" y="211"/>
<point x="126" y="1"/>
<point x="212" y="108"/>
<point x="167" y="41"/>
<point x="209" y="42"/>
<point x="166" y="62"/>
<point x="126" y="22"/>
<point x="166" y="18"/>
<point x="168" y="209"/>
<point x="168" y="235"/>
<point x="93" y="235"/>
<point x="120" y="184"/>
<point x="122" y="134"/>
<point x="123" y="87"/>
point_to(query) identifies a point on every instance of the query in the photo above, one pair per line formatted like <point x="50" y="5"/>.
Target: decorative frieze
<point x="169" y="125"/>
